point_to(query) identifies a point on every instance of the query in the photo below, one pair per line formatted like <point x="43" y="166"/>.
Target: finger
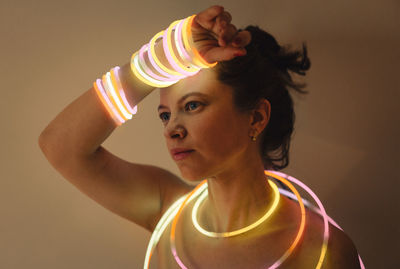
<point x="242" y="39"/>
<point x="226" y="16"/>
<point x="221" y="21"/>
<point x="219" y="54"/>
<point x="219" y="28"/>
<point x="206" y="17"/>
<point x="223" y="27"/>
<point x="227" y="35"/>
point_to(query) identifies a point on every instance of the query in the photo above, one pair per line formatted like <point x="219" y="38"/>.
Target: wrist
<point x="169" y="56"/>
<point x="130" y="82"/>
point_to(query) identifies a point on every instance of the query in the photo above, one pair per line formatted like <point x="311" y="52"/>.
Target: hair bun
<point x="296" y="61"/>
<point x="266" y="45"/>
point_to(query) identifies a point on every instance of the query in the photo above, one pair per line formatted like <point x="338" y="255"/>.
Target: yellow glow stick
<point x="188" y="69"/>
<point x="154" y="56"/>
<point x="117" y="88"/>
<point x="199" y="60"/>
<point x="184" y="55"/>
<point x="136" y="69"/>
<point x="186" y="43"/>
<point x="106" y="102"/>
<point x="110" y="97"/>
<point x="280" y="260"/>
<point x="239" y="231"/>
<point x="302" y="224"/>
<point x="115" y="99"/>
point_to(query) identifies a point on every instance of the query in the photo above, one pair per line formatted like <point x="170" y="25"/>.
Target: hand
<point x="215" y="37"/>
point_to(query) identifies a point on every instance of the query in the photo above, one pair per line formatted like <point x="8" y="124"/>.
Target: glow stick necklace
<point x="172" y="211"/>
<point x="319" y="210"/>
<point x="279" y="261"/>
<point x="239" y="231"/>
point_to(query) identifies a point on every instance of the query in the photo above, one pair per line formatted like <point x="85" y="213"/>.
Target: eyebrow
<point x="184" y="97"/>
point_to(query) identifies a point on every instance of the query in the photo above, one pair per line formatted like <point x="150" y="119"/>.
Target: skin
<point x="239" y="194"/>
<point x="224" y="152"/>
<point x="225" y="155"/>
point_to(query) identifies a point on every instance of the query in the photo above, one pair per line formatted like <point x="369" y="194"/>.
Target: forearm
<point x="81" y="127"/>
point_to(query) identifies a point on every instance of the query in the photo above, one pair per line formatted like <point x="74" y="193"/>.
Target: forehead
<point x="205" y="81"/>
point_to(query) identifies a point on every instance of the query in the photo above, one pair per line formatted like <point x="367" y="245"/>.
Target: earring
<point x="253" y="138"/>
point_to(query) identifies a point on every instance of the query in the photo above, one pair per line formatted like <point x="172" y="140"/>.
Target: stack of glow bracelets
<point x="181" y="54"/>
<point x="112" y="95"/>
<point x="173" y="213"/>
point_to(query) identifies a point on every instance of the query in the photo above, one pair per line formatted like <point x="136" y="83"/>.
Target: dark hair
<point x="264" y="73"/>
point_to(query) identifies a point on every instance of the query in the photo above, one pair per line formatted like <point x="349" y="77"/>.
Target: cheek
<point x="219" y="133"/>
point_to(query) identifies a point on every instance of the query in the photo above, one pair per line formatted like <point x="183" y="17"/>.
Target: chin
<point x="192" y="177"/>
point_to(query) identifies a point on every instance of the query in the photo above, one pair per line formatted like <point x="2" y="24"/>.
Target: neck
<point x="236" y="198"/>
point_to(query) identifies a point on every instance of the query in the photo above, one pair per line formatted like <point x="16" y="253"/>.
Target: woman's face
<point x="205" y="122"/>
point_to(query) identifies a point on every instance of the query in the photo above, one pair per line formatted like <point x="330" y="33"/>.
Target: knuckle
<point x="217" y="8"/>
<point x="227" y="16"/>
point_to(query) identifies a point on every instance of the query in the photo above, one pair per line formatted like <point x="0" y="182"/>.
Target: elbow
<point x="43" y="141"/>
<point x="49" y="148"/>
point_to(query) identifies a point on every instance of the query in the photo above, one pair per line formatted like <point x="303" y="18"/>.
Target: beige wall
<point x="345" y="144"/>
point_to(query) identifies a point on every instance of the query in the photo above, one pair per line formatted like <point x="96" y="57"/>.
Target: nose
<point x="174" y="129"/>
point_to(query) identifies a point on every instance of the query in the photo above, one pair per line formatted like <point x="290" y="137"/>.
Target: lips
<point x="180" y="153"/>
<point x="180" y="150"/>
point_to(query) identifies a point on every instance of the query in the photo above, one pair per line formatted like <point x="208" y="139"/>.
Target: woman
<point x="225" y="123"/>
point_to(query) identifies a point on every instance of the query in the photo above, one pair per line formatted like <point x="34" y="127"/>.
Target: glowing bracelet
<point x="107" y="103"/>
<point x="170" y="54"/>
<point x="179" y="44"/>
<point x="239" y="231"/>
<point x="114" y="97"/>
<point x="156" y="62"/>
<point x="185" y="38"/>
<point x="110" y="96"/>
<point x="146" y="78"/>
<point x="181" y="49"/>
<point x="147" y="70"/>
<point x="117" y="84"/>
<point x="198" y="59"/>
<point x="186" y="63"/>
<point x="143" y="76"/>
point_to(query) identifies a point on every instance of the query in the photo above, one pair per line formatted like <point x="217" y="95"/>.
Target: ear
<point x="260" y="116"/>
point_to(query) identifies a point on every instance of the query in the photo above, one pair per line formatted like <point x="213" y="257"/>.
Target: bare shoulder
<point x="341" y="252"/>
<point x="171" y="191"/>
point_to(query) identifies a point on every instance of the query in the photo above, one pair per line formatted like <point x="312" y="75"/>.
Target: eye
<point x="188" y="104"/>
<point x="162" y="116"/>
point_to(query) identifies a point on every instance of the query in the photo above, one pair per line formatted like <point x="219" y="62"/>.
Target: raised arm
<point x="72" y="140"/>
